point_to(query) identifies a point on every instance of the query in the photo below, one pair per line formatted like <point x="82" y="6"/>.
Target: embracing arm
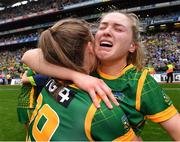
<point x="172" y="126"/>
<point x="35" y="60"/>
<point x="24" y="78"/>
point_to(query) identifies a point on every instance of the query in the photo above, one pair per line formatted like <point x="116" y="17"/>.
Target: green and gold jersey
<point x="30" y="91"/>
<point x="68" y="114"/>
<point x="26" y="98"/>
<point x="28" y="95"/>
<point x="140" y="96"/>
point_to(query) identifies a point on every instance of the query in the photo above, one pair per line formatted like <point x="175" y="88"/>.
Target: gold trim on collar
<point x="110" y="77"/>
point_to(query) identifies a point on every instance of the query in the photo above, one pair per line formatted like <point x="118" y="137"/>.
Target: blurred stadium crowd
<point x="34" y="7"/>
<point x="160" y="47"/>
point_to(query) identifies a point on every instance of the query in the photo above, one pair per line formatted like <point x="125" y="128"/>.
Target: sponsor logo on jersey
<point x="118" y="95"/>
<point x="61" y="94"/>
<point x="125" y="122"/>
<point x="166" y="98"/>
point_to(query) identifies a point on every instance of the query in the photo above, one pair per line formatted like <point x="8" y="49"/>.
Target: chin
<point x="102" y="55"/>
<point x="102" y="58"/>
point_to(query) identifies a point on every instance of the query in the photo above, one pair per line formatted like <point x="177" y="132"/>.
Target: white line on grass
<point x="171" y="88"/>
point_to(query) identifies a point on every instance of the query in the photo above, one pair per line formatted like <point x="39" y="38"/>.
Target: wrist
<point x="73" y="76"/>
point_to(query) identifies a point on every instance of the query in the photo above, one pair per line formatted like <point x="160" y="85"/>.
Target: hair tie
<point x="50" y="30"/>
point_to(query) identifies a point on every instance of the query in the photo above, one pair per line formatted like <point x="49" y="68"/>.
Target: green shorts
<point x="24" y="114"/>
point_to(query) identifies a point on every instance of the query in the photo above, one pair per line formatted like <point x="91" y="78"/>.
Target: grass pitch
<point x="12" y="130"/>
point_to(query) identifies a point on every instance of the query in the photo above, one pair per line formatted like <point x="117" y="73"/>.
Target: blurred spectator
<point x="169" y="71"/>
<point x="8" y="77"/>
<point x="151" y="69"/>
<point x="10" y="63"/>
<point x="162" y="47"/>
<point x="2" y="77"/>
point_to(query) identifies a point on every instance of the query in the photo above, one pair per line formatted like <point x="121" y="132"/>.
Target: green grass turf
<point x="12" y="130"/>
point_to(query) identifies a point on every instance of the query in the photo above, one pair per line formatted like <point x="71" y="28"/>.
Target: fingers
<point x="104" y="97"/>
<point x="94" y="98"/>
<point x="109" y="93"/>
<point x="96" y="87"/>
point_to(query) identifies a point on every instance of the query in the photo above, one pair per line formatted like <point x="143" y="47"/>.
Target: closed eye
<point x="118" y="29"/>
<point x="102" y="27"/>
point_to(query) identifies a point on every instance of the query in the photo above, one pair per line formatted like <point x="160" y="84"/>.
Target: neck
<point x="113" y="69"/>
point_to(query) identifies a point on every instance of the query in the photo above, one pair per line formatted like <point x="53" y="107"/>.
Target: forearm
<point x="54" y="71"/>
<point x="35" y="60"/>
<point x="172" y="126"/>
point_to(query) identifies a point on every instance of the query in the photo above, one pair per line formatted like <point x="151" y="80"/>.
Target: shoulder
<point x="136" y="74"/>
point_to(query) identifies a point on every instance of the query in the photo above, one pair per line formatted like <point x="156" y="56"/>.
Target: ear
<point x="133" y="47"/>
<point x="90" y="47"/>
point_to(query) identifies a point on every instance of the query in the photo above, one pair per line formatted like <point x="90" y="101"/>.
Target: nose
<point x="107" y="31"/>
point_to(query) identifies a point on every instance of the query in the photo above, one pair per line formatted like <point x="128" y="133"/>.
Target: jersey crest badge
<point x="118" y="95"/>
<point x="125" y="122"/>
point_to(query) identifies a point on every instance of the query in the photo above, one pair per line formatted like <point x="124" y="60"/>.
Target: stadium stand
<point x="20" y="27"/>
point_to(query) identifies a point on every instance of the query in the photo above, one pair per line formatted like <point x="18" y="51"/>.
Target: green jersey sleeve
<point x="155" y="103"/>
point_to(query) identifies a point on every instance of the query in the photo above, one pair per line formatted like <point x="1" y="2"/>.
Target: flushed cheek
<point x="96" y="46"/>
<point x="126" y="39"/>
<point x="98" y="52"/>
<point x="98" y="33"/>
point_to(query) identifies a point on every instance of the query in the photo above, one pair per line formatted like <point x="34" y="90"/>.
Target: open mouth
<point x="106" y="44"/>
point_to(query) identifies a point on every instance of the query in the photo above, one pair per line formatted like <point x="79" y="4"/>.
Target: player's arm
<point x="172" y="126"/>
<point x="28" y="79"/>
<point x="35" y="60"/>
<point x="159" y="108"/>
<point x="25" y="79"/>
